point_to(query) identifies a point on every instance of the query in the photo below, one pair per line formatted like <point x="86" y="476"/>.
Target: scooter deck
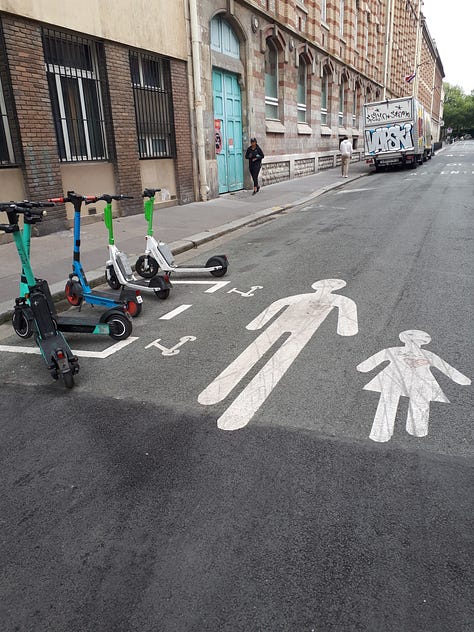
<point x="73" y="324"/>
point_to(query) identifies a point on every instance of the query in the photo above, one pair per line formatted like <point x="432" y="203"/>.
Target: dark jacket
<point x="254" y="156"/>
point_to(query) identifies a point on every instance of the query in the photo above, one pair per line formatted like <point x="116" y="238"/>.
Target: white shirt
<point x="346" y="148"/>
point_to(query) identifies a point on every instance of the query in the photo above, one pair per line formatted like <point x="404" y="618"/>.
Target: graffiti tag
<point x="390" y="138"/>
<point x="379" y="117"/>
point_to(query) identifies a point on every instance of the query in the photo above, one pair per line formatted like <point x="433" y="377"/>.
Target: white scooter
<point x="118" y="270"/>
<point x="159" y="256"/>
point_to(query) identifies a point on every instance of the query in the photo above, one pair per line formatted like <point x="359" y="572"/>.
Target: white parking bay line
<point x="101" y="355"/>
<point x="175" y="312"/>
<point x="215" y="285"/>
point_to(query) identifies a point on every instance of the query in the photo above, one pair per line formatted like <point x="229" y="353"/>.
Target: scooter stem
<point x="108" y="221"/>
<point x="149" y="204"/>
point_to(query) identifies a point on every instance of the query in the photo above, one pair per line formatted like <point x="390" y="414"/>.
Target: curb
<point x="97" y="276"/>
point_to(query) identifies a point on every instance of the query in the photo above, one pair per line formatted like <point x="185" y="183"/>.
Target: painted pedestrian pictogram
<point x="302" y="316"/>
<point x="407" y="375"/>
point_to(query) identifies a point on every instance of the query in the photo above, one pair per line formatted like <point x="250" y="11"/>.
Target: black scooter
<point x="59" y="358"/>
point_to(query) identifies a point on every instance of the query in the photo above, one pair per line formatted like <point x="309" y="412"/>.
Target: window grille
<point x="72" y="68"/>
<point x="151" y="82"/>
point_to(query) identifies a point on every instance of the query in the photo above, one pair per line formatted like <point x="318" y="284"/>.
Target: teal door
<point x="228" y="130"/>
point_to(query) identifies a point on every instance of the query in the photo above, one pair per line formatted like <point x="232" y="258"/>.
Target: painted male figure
<point x="302" y="316"/>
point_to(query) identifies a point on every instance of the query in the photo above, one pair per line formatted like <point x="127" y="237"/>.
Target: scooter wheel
<point x="112" y="279"/>
<point x="22" y="325"/>
<point x="216" y="261"/>
<point x="68" y="379"/>
<point x="162" y="294"/>
<point x="72" y="297"/>
<point x="134" y="308"/>
<point x="146" y="266"/>
<point x="120" y="326"/>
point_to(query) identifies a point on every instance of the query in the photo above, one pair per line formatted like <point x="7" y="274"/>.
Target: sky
<point x="451" y="25"/>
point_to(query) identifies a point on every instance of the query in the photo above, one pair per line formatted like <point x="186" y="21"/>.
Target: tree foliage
<point x="458" y="110"/>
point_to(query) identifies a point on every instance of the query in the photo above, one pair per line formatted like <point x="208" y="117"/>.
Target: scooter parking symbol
<point x="250" y="292"/>
<point x="171" y="351"/>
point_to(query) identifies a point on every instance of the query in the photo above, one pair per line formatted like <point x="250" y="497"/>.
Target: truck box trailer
<point x="395" y="133"/>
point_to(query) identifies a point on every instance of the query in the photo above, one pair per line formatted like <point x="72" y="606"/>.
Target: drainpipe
<point x="388" y="49"/>
<point x="419" y="37"/>
<point x="198" y="104"/>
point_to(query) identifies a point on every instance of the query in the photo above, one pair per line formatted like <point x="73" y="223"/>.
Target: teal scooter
<point x="35" y="307"/>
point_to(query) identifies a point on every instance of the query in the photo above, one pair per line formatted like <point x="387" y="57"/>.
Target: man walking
<point x="346" y="153"/>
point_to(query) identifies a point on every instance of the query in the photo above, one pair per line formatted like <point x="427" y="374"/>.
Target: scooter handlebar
<point x="25" y="204"/>
<point x="150" y="192"/>
<point x="106" y="197"/>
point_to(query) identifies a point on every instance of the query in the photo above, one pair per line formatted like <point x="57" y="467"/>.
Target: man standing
<point x="346" y="153"/>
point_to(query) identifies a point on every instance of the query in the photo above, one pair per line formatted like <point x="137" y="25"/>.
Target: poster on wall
<point x="218" y="135"/>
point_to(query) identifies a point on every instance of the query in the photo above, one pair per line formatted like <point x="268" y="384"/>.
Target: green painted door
<point x="228" y="130"/>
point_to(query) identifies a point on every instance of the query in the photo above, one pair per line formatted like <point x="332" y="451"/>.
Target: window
<point x="301" y="91"/>
<point x="341" y="17"/>
<point x="223" y="38"/>
<point x="7" y="156"/>
<point x="324" y="98"/>
<point x="342" y="88"/>
<point x="151" y="82"/>
<point x="355" y="101"/>
<point x="76" y="97"/>
<point x="323" y="11"/>
<point x="271" y="81"/>
<point x="356" y="26"/>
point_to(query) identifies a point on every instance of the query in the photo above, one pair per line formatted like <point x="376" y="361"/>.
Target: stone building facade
<point x="302" y="70"/>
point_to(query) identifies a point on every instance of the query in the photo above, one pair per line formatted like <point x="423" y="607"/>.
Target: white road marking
<point x="302" y="316"/>
<point x="171" y="351"/>
<point x="355" y="190"/>
<point x="250" y="292"/>
<point x="175" y="312"/>
<point x="100" y="355"/>
<point x="407" y="375"/>
<point x="215" y="285"/>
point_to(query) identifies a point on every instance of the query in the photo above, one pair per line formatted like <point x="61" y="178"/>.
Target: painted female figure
<point x="408" y="374"/>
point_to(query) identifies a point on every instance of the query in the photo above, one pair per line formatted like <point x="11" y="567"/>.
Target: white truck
<point x="396" y="132"/>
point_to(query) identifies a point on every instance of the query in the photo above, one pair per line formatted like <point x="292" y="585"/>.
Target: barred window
<point x="72" y="68"/>
<point x="151" y="82"/>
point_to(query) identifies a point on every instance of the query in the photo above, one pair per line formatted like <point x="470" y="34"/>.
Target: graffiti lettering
<point x="393" y="115"/>
<point x="390" y="138"/>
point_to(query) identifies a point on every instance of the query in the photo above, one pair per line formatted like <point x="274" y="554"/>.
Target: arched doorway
<point x="227" y="103"/>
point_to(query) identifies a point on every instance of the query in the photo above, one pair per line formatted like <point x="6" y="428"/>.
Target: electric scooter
<point x="158" y="254"/>
<point x="77" y="287"/>
<point x="54" y="349"/>
<point x="118" y="271"/>
<point x="114" y="322"/>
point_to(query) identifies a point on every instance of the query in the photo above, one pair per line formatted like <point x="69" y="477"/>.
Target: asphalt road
<point x="126" y="507"/>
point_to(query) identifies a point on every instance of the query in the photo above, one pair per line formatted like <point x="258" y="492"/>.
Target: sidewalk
<point x="182" y="227"/>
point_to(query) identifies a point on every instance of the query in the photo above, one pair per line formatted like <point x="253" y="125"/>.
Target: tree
<point x="458" y="110"/>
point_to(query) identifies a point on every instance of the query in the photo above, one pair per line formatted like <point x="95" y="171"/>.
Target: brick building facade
<point x="85" y="112"/>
